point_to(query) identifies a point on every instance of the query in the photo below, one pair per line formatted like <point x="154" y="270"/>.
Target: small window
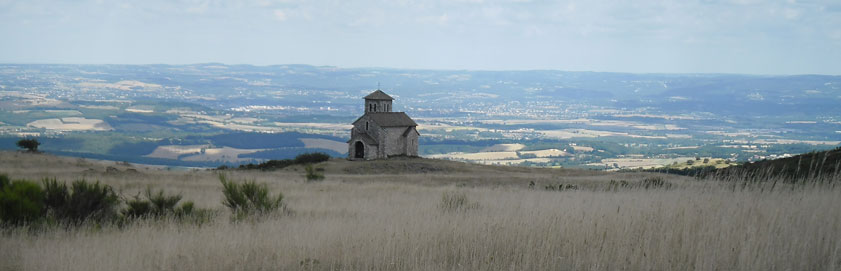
<point x="366" y="126"/>
<point x="375" y="107"/>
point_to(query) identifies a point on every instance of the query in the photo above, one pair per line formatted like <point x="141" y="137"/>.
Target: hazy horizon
<point x="419" y="69"/>
<point x="723" y="37"/>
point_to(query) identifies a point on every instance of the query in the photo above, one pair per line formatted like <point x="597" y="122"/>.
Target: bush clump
<point x="24" y="202"/>
<point x="248" y="198"/>
<point x="21" y="201"/>
<point x="157" y="205"/>
<point x="80" y="202"/>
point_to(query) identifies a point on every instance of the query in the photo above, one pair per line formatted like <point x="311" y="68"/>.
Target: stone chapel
<point x="380" y="133"/>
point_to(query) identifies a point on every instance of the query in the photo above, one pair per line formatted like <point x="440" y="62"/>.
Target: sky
<point x="644" y="36"/>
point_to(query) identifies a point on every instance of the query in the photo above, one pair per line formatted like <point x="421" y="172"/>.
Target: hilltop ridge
<point x="407" y="170"/>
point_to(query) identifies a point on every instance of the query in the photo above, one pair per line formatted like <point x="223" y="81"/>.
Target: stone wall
<point x="412" y="143"/>
<point x="395" y="143"/>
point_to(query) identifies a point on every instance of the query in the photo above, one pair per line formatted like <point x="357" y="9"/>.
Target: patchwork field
<point x="222" y="154"/>
<point x="504" y="148"/>
<point x="175" y="151"/>
<point x="478" y="156"/>
<point x="644" y="163"/>
<point x="201" y="153"/>
<point x="71" y="124"/>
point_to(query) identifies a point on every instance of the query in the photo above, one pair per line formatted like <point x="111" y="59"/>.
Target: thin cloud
<point x="634" y="36"/>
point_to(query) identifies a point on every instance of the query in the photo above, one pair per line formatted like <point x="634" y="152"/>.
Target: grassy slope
<point x="807" y="165"/>
<point x="385" y="215"/>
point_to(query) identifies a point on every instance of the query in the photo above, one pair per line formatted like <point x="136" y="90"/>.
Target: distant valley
<point x="207" y="115"/>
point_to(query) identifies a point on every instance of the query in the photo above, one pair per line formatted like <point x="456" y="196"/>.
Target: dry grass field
<point x="390" y="215"/>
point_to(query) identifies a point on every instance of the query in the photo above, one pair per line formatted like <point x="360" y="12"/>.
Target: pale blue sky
<point x="708" y="36"/>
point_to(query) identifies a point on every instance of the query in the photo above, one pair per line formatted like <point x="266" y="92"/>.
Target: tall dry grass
<point x="389" y="224"/>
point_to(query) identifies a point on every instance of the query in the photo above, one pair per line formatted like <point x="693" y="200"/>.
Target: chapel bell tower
<point x="377" y="102"/>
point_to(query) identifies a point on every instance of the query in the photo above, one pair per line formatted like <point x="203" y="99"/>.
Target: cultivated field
<point x="390" y="215"/>
<point x="71" y="124"/>
<point x="201" y="153"/>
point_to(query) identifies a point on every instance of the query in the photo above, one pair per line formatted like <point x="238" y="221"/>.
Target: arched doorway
<point x="360" y="150"/>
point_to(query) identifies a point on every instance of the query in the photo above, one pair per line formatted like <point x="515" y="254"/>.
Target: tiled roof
<point x="378" y="95"/>
<point x="391" y="119"/>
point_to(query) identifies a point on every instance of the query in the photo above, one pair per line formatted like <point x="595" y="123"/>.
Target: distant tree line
<point x="301" y="159"/>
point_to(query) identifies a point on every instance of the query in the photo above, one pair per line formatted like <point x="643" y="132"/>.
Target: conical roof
<point x="378" y="95"/>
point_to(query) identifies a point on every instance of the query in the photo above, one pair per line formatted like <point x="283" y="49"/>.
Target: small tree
<point x="30" y="145"/>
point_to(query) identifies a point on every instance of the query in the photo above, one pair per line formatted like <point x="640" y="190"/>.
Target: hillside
<point x="816" y="164"/>
<point x="409" y="170"/>
<point x="426" y="214"/>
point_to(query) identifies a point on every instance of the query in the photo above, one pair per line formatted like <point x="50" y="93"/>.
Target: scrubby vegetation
<point x="81" y="202"/>
<point x="26" y="203"/>
<point x="247" y="198"/>
<point x="157" y="205"/>
<point x="21" y="201"/>
<point x="302" y="159"/>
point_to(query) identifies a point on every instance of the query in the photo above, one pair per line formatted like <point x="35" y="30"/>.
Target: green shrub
<point x="21" y="201"/>
<point x="157" y="205"/>
<point x="161" y="203"/>
<point x="312" y="174"/>
<point x="186" y="208"/>
<point x="249" y="198"/>
<point x="83" y="201"/>
<point x="137" y="207"/>
<point x="55" y="194"/>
